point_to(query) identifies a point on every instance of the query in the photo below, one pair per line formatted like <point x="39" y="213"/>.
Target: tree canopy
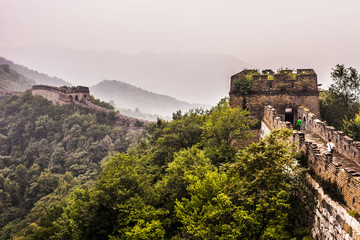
<point x="190" y="178"/>
<point x="341" y="101"/>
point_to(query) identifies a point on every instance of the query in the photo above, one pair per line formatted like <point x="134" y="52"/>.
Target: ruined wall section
<point x="6" y="94"/>
<point x="50" y="93"/>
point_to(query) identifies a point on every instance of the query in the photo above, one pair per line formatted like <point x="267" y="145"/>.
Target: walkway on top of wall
<point x="338" y="160"/>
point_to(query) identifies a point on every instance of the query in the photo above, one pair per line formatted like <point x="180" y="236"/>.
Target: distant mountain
<point x="192" y="77"/>
<point x="40" y="78"/>
<point x="12" y="80"/>
<point x="130" y="97"/>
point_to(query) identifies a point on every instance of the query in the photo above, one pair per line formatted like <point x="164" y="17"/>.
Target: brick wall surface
<point x="332" y="219"/>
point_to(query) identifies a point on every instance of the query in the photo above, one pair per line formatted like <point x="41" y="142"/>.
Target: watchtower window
<point x="70" y="96"/>
<point x="76" y="98"/>
<point x="84" y="96"/>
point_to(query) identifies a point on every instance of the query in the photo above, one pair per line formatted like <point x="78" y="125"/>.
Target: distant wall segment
<point x="62" y="95"/>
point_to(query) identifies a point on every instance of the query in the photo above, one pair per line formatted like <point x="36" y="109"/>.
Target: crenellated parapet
<point x="285" y="90"/>
<point x="344" y="144"/>
<point x="342" y="167"/>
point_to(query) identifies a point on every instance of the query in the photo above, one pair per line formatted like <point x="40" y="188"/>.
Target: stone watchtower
<point x="285" y="90"/>
<point x="62" y="95"/>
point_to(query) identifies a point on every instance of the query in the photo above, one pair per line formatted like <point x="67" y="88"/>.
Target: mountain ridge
<point x="128" y="96"/>
<point x="40" y="78"/>
<point x="192" y="77"/>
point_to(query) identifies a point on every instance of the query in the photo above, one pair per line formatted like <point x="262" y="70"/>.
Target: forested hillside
<point x="45" y="151"/>
<point x="40" y="78"/>
<point x="195" y="177"/>
<point x="13" y="81"/>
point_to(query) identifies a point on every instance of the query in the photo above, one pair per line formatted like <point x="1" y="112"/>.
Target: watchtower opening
<point x="289" y="115"/>
<point x="76" y="98"/>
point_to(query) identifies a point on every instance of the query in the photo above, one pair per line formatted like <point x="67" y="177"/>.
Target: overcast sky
<point x="264" y="33"/>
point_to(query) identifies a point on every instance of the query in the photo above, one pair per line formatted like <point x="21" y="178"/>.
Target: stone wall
<point x="5" y="94"/>
<point x="285" y="89"/>
<point x="52" y="95"/>
<point x="257" y="102"/>
<point x="344" y="144"/>
<point x="62" y="95"/>
<point x="333" y="220"/>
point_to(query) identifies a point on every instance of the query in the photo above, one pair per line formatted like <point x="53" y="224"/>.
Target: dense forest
<point x="45" y="151"/>
<point x="195" y="177"/>
<point x="68" y="173"/>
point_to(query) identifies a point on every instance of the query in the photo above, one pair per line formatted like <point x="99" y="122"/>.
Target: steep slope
<point x="12" y="80"/>
<point x="40" y="78"/>
<point x="128" y="96"/>
<point x="193" y="77"/>
<point x="46" y="150"/>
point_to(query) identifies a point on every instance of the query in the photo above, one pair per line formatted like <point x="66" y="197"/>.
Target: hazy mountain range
<point x="127" y="96"/>
<point x="192" y="77"/>
<point x="40" y="78"/>
<point x="12" y="80"/>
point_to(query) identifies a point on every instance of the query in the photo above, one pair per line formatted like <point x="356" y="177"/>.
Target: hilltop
<point x="40" y="78"/>
<point x="130" y="97"/>
<point x="190" y="76"/>
<point x="13" y="81"/>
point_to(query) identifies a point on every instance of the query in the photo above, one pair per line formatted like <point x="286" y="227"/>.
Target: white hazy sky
<point x="308" y="33"/>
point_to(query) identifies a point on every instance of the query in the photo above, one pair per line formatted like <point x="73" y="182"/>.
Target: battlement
<point x="62" y="95"/>
<point x="295" y="81"/>
<point x="343" y="169"/>
<point x="285" y="89"/>
<point x="344" y="144"/>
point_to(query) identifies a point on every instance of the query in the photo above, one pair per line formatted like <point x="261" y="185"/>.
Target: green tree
<point x="352" y="127"/>
<point x="342" y="99"/>
<point x="225" y="129"/>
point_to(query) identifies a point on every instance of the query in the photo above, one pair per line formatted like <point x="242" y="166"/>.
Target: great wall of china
<point x="278" y="100"/>
<point x="79" y="96"/>
<point x="332" y="220"/>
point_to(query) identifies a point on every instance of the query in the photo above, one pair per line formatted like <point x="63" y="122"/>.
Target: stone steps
<point x="339" y="160"/>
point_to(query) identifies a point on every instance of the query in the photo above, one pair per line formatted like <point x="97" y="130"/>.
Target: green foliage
<point x="352" y="127"/>
<point x="172" y="186"/>
<point x="341" y="101"/>
<point x="243" y="85"/>
<point x="13" y="81"/>
<point x="191" y="178"/>
<point x="354" y="214"/>
<point x="42" y="148"/>
<point x="101" y="103"/>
